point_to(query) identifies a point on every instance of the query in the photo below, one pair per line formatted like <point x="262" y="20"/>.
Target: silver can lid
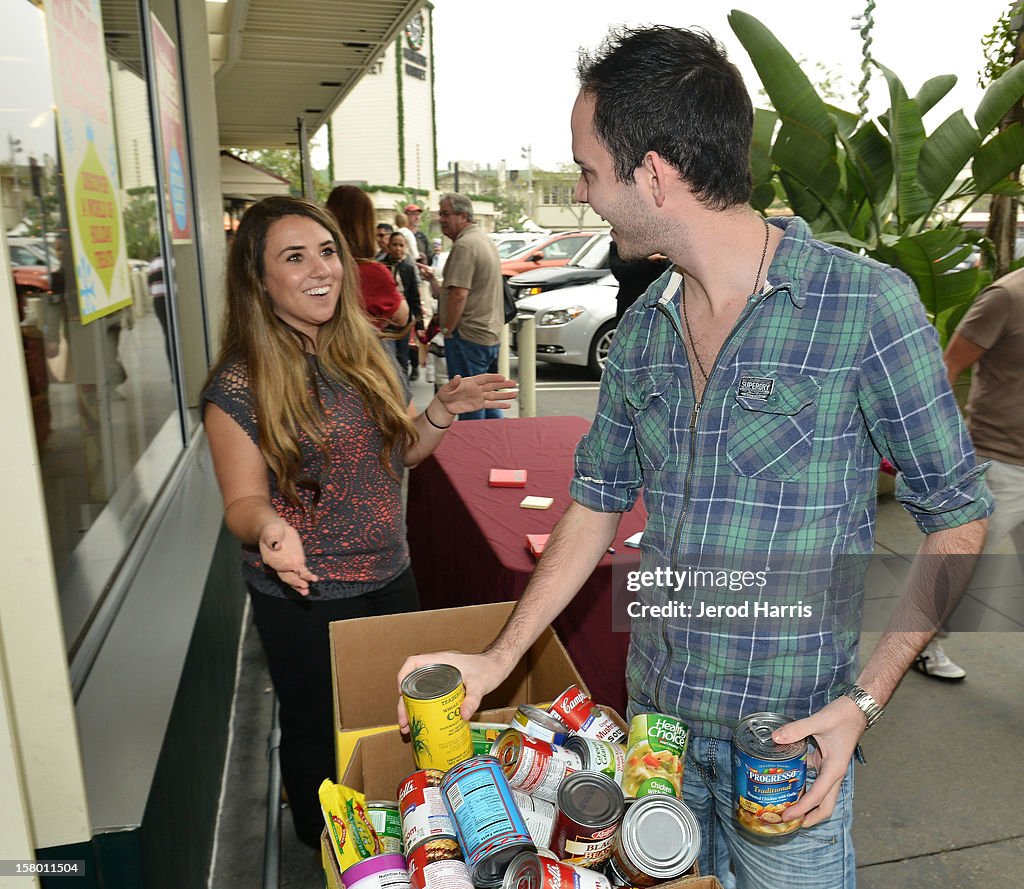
<point x="527" y="714"/>
<point x="523" y="872"/>
<point x="431" y="681"/>
<point x="753" y="736"/>
<point x="591" y="799"/>
<point x="660" y="836"/>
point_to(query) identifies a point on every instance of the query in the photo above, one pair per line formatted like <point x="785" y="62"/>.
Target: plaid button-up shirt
<point x="831" y="367"/>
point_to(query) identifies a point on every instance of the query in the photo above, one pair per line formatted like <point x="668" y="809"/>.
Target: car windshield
<point x="510" y="247"/>
<point x="525" y="251"/>
<point x="593" y="254"/>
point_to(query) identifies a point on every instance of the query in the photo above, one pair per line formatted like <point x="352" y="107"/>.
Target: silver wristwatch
<point x="867" y="704"/>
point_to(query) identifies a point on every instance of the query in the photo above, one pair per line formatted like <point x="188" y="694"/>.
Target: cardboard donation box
<point x="366" y="654"/>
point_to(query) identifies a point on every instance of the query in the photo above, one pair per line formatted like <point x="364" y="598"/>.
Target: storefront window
<point x="83" y="224"/>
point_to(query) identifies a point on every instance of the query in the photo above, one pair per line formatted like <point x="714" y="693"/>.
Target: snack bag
<point x="349" y="830"/>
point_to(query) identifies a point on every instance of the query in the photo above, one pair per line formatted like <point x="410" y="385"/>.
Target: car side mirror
<point x="537" y="257"/>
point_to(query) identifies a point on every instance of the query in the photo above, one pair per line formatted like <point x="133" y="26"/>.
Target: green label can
<point x="655" y="753"/>
<point x="387" y="822"/>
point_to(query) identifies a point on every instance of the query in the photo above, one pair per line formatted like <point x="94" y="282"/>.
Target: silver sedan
<point x="576" y="324"/>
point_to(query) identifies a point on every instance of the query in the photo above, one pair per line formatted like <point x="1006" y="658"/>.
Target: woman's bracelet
<point x="426" y="413"/>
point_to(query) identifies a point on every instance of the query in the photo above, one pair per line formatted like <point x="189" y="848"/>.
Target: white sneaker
<point x="430" y="373"/>
<point x="934" y="662"/>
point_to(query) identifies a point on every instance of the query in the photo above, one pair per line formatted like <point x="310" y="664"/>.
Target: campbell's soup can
<point x="378" y="872"/>
<point x="424" y="814"/>
<point x="659" y="840"/>
<point x="769" y="777"/>
<point x="599" y="756"/>
<point x="433" y="698"/>
<point x="590" y="808"/>
<point x="575" y="708"/>
<point x="439" y="865"/>
<point x="489" y="825"/>
<point x="387" y="823"/>
<point x="539" y="816"/>
<point x="532" y="766"/>
<point x="655" y="754"/>
<point x="534" y="871"/>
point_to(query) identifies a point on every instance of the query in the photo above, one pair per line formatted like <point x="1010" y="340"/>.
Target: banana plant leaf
<point x="945" y="153"/>
<point x="925" y="258"/>
<point x="806" y="144"/>
<point x="871" y="155"/>
<point x="934" y="91"/>
<point x="997" y="158"/>
<point x="907" y="135"/>
<point x="999" y="98"/>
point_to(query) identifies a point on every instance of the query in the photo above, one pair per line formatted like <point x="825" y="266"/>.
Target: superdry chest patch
<point x="755" y="387"/>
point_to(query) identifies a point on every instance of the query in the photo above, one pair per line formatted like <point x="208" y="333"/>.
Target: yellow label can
<point x="433" y="696"/>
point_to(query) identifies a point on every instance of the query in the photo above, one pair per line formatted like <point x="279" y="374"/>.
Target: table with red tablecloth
<point x="468" y="540"/>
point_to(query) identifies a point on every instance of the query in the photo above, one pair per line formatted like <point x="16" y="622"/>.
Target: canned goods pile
<point x="534" y="803"/>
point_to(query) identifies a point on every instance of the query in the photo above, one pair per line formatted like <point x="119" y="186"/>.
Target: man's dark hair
<point x="385" y="227"/>
<point x="673" y="91"/>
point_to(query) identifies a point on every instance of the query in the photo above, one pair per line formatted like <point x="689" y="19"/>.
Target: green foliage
<point x="140" y="223"/>
<point x="887" y="188"/>
<point x="285" y="163"/>
<point x="998" y="47"/>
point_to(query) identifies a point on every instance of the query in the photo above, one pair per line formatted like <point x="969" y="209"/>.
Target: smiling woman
<point x="310" y="427"/>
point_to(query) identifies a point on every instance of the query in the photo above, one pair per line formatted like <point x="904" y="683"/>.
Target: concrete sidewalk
<point x="939" y="803"/>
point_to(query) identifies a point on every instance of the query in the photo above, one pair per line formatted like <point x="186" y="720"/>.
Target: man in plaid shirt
<point x="750" y="394"/>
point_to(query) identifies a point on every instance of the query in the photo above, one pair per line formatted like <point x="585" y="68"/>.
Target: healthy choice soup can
<point x="769" y="777"/>
<point x="655" y="753"/>
<point x="433" y="697"/>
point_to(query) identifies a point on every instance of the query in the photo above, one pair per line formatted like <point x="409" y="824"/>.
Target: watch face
<point x="414" y="31"/>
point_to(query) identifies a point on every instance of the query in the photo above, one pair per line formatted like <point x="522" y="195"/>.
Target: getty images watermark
<point x="711" y="580"/>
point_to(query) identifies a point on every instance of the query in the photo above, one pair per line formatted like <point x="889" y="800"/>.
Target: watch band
<point x="871" y="709"/>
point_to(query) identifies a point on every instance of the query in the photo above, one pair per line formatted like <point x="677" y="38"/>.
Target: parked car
<point x="28" y="263"/>
<point x="512" y="242"/>
<point x="590" y="264"/>
<point x="575" y="325"/>
<point x="554" y="250"/>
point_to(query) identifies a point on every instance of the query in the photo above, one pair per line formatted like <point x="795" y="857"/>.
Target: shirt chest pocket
<point x="771" y="426"/>
<point x="652" y="416"/>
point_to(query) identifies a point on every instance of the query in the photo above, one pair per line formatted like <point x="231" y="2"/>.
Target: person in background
<point x="402" y="225"/>
<point x="749" y="396"/>
<point x="414" y="212"/>
<point x="353" y="210"/>
<point x="384" y="231"/>
<point x="471" y="310"/>
<point x="404" y="273"/>
<point x="310" y="427"/>
<point x="158" y="290"/>
<point x="634" y="277"/>
<point x="990" y="339"/>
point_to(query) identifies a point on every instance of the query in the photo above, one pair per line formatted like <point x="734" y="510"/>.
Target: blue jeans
<point x="468" y="359"/>
<point x="820" y="857"/>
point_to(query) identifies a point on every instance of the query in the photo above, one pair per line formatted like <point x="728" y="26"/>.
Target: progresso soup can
<point x="490" y="828"/>
<point x="769" y="777"/>
<point x="655" y="754"/>
<point x="433" y="697"/>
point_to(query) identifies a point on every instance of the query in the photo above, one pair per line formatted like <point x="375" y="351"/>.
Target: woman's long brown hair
<point x="274" y="353"/>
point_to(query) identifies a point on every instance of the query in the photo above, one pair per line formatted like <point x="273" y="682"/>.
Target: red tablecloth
<point x="468" y="540"/>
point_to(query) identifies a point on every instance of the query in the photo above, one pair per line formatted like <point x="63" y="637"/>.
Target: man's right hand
<point x="481" y="673"/>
